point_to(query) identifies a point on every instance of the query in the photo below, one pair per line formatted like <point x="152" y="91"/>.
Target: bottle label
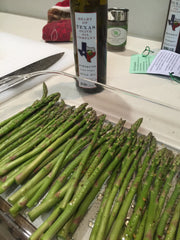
<point x="117" y="36"/>
<point x="172" y="27"/>
<point x="86" y="37"/>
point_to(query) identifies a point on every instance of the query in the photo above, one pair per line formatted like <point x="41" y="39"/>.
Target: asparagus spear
<point x="77" y="173"/>
<point x="47" y="152"/>
<point x="44" y="144"/>
<point x="142" y="198"/>
<point x="152" y="221"/>
<point x="63" y="234"/>
<point x="118" y="224"/>
<point x="100" y="153"/>
<point x="9" y="180"/>
<point x="119" y="199"/>
<point x="95" y="230"/>
<point x="47" y="181"/>
<point x="32" y="182"/>
<point x="103" y="229"/>
<point x="171" y="232"/>
<point x="53" y="196"/>
<point x="44" y="137"/>
<point x="51" y="199"/>
<point x="45" y="111"/>
<point x="140" y="231"/>
<point x="49" y="204"/>
<point x="7" y="150"/>
<point x="26" y="128"/>
<point x="168" y="209"/>
<point x="45" y="91"/>
<point x="168" y="183"/>
<point x="21" y="117"/>
<point x="178" y="232"/>
<point x="58" y="209"/>
<point x="59" y="182"/>
<point x="77" y="199"/>
<point x="18" y="206"/>
<point x="95" y="188"/>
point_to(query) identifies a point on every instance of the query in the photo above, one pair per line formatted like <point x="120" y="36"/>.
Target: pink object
<point x="57" y="31"/>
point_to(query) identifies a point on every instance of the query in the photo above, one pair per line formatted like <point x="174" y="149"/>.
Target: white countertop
<point x="161" y="89"/>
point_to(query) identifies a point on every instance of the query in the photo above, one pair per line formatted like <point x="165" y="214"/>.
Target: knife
<point x="35" y="66"/>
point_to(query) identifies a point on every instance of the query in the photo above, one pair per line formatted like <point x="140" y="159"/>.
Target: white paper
<point x="17" y="52"/>
<point x="164" y="63"/>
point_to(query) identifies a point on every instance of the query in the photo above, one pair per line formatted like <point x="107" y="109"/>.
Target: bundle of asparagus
<point x="61" y="156"/>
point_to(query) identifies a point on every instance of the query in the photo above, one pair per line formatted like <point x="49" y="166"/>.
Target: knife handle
<point x="11" y="81"/>
<point x="14" y="80"/>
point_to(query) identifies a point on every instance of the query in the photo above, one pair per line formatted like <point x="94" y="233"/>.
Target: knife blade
<point x="36" y="66"/>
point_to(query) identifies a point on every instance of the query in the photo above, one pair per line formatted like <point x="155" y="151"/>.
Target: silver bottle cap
<point x="118" y="14"/>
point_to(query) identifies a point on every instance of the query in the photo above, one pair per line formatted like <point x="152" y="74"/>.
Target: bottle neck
<point x="103" y="2"/>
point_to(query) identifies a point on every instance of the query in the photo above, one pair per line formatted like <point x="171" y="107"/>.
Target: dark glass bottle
<point x="178" y="45"/>
<point x="172" y="30"/>
<point x="89" y="24"/>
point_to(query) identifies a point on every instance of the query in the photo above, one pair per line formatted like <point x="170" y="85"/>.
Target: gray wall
<point x="146" y="17"/>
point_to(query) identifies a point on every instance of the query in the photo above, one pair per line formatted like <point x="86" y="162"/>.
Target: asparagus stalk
<point x="7" y="150"/>
<point x="152" y="221"/>
<point x="118" y="224"/>
<point x="51" y="145"/>
<point x="171" y="232"/>
<point x="95" y="231"/>
<point x="77" y="199"/>
<point x="94" y="190"/>
<point x="9" y="180"/>
<point x="42" y="140"/>
<point x="168" y="209"/>
<point x="18" y="206"/>
<point x="140" y="231"/>
<point x="168" y="183"/>
<point x="77" y="173"/>
<point x="56" y="192"/>
<point x="74" y="221"/>
<point x="46" y="111"/>
<point x="142" y="198"/>
<point x="32" y="182"/>
<point x="98" y="156"/>
<point x="26" y="128"/>
<point x="53" y="196"/>
<point x="178" y="232"/>
<point x="30" y="110"/>
<point x="59" y="182"/>
<point x="119" y="199"/>
<point x="46" y="152"/>
<point x="45" y="91"/>
<point x="125" y="165"/>
<point x="58" y="209"/>
<point x="48" y="180"/>
<point x="49" y="203"/>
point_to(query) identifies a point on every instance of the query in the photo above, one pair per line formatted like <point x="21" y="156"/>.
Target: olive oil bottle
<point x="172" y="30"/>
<point x="89" y="24"/>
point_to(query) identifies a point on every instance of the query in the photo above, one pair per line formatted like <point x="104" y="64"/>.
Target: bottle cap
<point x="118" y="14"/>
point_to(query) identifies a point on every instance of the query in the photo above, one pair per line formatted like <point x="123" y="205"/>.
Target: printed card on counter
<point x="164" y="63"/>
<point x="140" y="64"/>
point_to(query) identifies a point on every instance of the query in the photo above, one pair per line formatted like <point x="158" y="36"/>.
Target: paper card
<point x="165" y="62"/>
<point x="140" y="64"/>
